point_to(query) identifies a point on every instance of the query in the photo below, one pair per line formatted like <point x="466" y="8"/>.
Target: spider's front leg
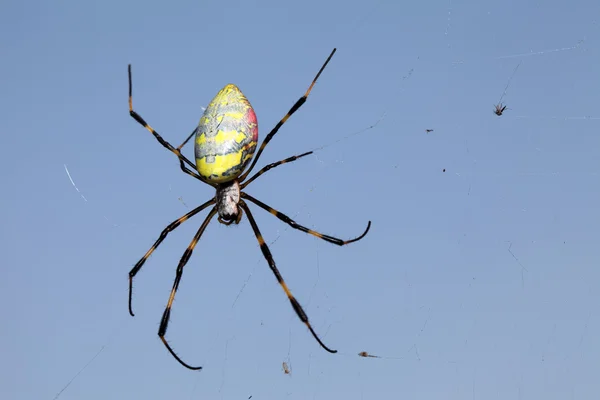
<point x="164" y="322"/>
<point x="170" y="228"/>
<point x="269" y="257"/>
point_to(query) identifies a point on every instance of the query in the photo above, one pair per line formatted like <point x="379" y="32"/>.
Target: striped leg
<point x="164" y="322"/>
<point x="273" y="165"/>
<point x="292" y="110"/>
<point x="172" y="226"/>
<point x="187" y="140"/>
<point x="162" y="141"/>
<point x="267" y="254"/>
<point x="183" y="167"/>
<point x="295" y="225"/>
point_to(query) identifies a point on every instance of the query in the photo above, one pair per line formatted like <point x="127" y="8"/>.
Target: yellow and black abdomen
<point x="226" y="136"/>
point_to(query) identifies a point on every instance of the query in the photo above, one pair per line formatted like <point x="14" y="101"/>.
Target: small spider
<point x="365" y="354"/>
<point x="499" y="109"/>
<point x="286" y="368"/>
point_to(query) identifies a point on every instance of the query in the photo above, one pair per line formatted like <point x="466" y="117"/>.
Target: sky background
<point x="480" y="282"/>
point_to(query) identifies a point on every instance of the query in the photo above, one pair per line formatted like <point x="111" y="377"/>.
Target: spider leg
<point x="181" y="164"/>
<point x="188" y="139"/>
<point x="273" y="165"/>
<point x="162" y="141"/>
<point x="292" y="110"/>
<point x="164" y="322"/>
<point x="295" y="225"/>
<point x="171" y="227"/>
<point x="183" y="167"/>
<point x="267" y="254"/>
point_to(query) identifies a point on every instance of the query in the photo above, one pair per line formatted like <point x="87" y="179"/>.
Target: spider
<point x="365" y="354"/>
<point x="499" y="109"/>
<point x="225" y="141"/>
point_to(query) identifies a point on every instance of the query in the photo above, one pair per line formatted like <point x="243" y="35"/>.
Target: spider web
<point x="417" y="348"/>
<point x="97" y="209"/>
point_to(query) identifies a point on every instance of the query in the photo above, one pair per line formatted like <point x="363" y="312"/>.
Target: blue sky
<point x="474" y="283"/>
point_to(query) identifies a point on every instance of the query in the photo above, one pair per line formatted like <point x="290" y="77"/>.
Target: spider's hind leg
<point x="177" y="151"/>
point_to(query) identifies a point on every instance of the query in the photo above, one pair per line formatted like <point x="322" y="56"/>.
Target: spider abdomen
<point x="226" y="136"/>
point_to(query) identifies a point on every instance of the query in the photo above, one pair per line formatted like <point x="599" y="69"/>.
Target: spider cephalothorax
<point x="225" y="142"/>
<point x="227" y="199"/>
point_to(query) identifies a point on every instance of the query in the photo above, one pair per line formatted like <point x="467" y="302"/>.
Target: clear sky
<point x="480" y="282"/>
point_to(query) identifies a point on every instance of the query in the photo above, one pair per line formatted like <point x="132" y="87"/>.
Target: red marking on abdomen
<point x="250" y="118"/>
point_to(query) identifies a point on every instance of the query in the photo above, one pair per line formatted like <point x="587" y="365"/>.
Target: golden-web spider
<point x="225" y="140"/>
